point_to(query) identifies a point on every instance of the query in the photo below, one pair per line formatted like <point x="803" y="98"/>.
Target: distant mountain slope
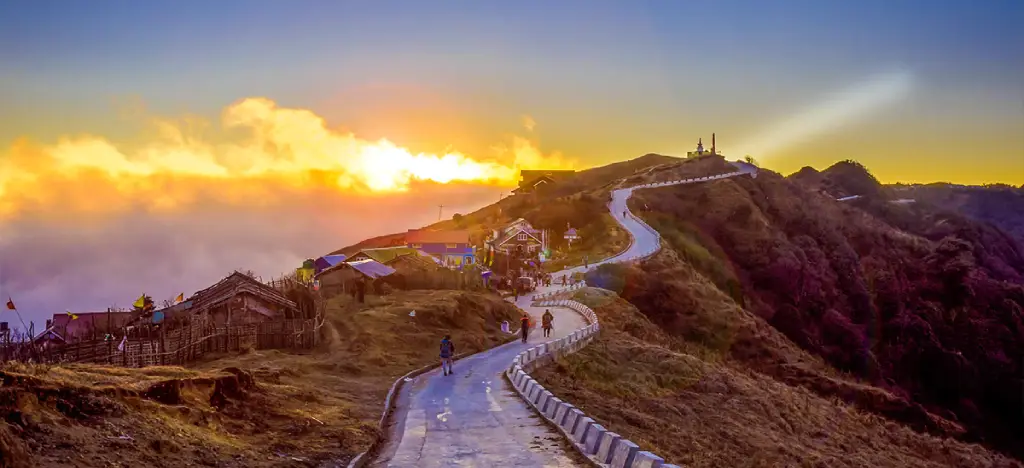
<point x="921" y="302"/>
<point x="1000" y="205"/>
<point x="843" y="179"/>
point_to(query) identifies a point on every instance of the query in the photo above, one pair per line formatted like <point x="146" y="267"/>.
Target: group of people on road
<point x="525" y="323"/>
<point x="546" y="324"/>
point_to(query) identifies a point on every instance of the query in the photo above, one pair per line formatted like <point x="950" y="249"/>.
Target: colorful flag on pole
<point x="180" y="298"/>
<point x="10" y="304"/>
<point x="73" y="316"/>
<point x="140" y="302"/>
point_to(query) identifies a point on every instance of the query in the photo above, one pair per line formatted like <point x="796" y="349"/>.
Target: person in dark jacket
<point x="524" y="329"/>
<point x="447" y="353"/>
<point x="546" y="320"/>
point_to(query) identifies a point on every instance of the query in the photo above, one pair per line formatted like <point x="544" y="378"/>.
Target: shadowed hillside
<point x="923" y="304"/>
<point x="1000" y="205"/>
<point x="695" y="408"/>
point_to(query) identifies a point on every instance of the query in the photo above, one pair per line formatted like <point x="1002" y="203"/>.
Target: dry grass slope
<point x="283" y="409"/>
<point x="642" y="383"/>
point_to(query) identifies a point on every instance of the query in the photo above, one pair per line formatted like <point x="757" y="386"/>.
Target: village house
<point x="416" y="271"/>
<point x="327" y="261"/>
<point x="536" y="182"/>
<point x="48" y="338"/>
<point x="239" y="299"/>
<point x="88" y="325"/>
<point x="518" y="237"/>
<point x="413" y="263"/>
<point x="452" y="248"/>
<point x="571" y="236"/>
<point x="344" y="277"/>
<point x="383" y="254"/>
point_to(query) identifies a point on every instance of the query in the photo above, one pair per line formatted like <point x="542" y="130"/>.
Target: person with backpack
<point x="524" y="326"/>
<point x="546" y="322"/>
<point x="447" y="353"/>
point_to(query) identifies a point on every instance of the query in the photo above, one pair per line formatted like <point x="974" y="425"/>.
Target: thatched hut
<point x="240" y="298"/>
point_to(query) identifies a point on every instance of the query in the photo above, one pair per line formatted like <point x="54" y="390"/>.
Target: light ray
<point x="837" y="110"/>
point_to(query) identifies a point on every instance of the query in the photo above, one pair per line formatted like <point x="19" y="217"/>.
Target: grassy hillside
<point x="697" y="410"/>
<point x="260" y="409"/>
<point x="579" y="201"/>
<point x="924" y="305"/>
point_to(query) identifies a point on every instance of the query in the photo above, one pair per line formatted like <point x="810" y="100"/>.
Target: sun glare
<point x="281" y="146"/>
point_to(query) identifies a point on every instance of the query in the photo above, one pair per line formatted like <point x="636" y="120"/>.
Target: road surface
<point x="473" y="418"/>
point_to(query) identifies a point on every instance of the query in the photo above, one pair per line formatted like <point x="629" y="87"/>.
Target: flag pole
<point x="15" y="309"/>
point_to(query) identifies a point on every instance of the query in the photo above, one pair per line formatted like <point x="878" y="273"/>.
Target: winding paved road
<point x="473" y="418"/>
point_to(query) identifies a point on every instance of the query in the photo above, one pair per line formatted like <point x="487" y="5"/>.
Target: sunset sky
<point x="152" y="134"/>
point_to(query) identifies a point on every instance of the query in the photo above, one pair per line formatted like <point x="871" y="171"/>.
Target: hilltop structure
<point x="700" y="149"/>
<point x="533" y="182"/>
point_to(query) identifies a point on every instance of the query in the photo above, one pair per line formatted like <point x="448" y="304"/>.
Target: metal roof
<point x="334" y="259"/>
<point x="369" y="267"/>
<point x="372" y="268"/>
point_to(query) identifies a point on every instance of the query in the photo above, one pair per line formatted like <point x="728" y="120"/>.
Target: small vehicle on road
<point x="526" y="284"/>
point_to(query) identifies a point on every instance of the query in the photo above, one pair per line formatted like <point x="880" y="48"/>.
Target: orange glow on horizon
<point x="284" y="149"/>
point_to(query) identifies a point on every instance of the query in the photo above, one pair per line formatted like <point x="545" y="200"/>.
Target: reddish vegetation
<point x="1001" y="205"/>
<point x="696" y="410"/>
<point x="923" y="304"/>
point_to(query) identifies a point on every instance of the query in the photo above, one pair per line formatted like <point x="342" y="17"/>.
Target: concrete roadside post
<point x="606" y="447"/>
<point x="625" y="452"/>
<point x="647" y="460"/>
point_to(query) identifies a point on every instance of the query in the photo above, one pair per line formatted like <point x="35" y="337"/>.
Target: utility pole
<point x="439" y="207"/>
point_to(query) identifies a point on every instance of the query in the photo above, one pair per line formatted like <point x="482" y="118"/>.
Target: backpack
<point x="446" y="348"/>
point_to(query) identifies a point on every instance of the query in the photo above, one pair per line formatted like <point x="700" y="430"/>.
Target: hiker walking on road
<point x="524" y="329"/>
<point x="546" y="322"/>
<point x="447" y="353"/>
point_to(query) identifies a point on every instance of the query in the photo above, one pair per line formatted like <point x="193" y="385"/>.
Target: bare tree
<point x="750" y="160"/>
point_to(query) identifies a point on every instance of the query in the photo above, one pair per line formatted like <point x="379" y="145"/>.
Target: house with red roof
<point x="451" y="247"/>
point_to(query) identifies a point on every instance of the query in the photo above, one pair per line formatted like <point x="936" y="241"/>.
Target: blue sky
<point x="604" y="81"/>
<point x="646" y="76"/>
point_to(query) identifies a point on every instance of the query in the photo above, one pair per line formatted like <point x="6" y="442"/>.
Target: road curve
<point x="473" y="417"/>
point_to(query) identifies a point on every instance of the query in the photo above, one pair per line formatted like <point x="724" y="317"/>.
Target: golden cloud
<point x="280" y="149"/>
